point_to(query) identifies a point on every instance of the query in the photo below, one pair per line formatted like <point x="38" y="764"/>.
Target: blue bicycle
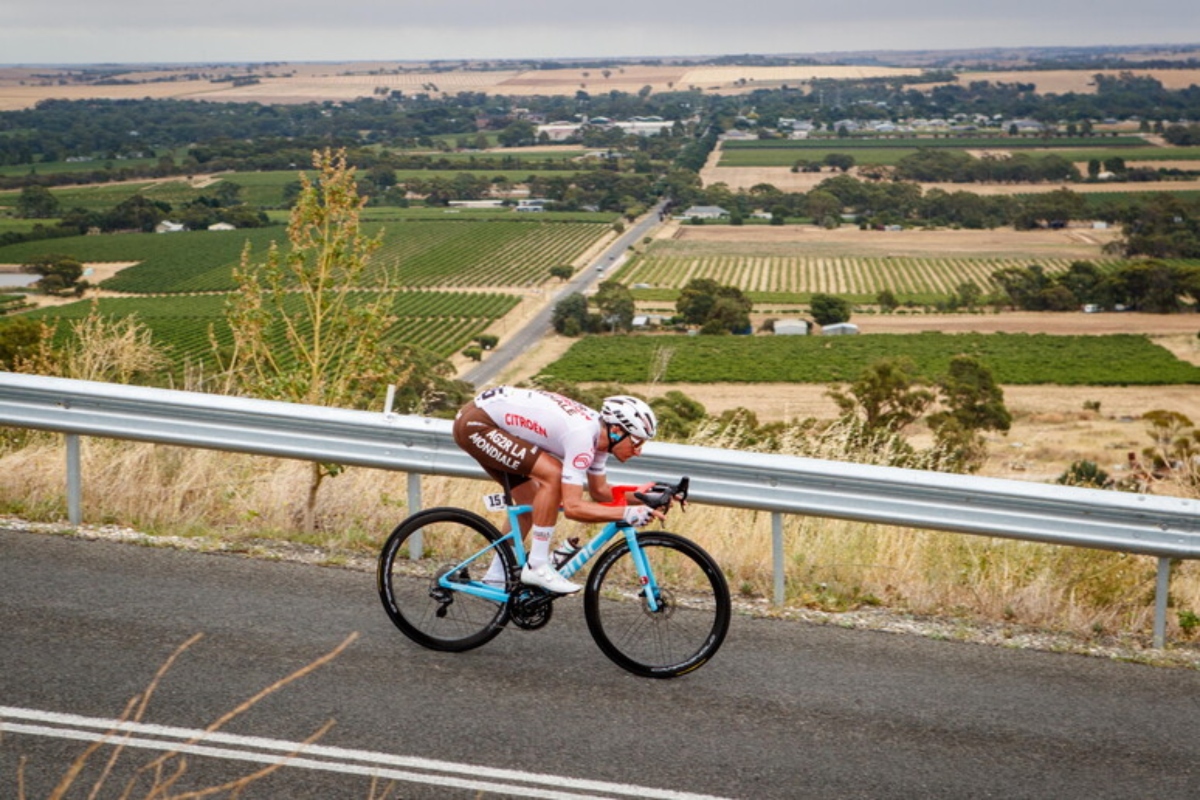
<point x="656" y="603"/>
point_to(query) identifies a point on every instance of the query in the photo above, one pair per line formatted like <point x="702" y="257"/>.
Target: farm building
<point x="559" y="131"/>
<point x="791" y="327"/>
<point x="649" y="321"/>
<point x="839" y="329"/>
<point x="704" y="212"/>
<point x="644" y="127"/>
<point x="221" y="226"/>
<point x="476" y="203"/>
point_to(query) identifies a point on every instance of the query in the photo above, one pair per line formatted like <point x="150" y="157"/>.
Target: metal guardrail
<point x="1165" y="527"/>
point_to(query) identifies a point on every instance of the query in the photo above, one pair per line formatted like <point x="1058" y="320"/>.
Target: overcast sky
<point x="134" y="31"/>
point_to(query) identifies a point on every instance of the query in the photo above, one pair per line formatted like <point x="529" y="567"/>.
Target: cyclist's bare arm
<point x="598" y="488"/>
<point x="575" y="507"/>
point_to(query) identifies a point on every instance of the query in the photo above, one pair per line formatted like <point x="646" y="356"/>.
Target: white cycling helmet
<point x="631" y="414"/>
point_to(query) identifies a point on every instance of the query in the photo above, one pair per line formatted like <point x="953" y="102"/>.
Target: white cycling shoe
<point x="546" y="578"/>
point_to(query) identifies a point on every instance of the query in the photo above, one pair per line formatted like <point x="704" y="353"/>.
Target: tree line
<point x="1150" y="286"/>
<point x="1161" y="225"/>
<point x="55" y="130"/>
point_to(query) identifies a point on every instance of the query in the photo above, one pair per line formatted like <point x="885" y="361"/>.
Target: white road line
<point x="320" y="757"/>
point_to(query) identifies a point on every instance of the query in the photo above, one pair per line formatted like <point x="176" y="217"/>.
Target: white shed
<point x="704" y="212"/>
<point x="791" y="327"/>
<point x="839" y="329"/>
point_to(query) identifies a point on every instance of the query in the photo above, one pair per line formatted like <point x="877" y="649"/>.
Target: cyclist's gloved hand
<point x="638" y="516"/>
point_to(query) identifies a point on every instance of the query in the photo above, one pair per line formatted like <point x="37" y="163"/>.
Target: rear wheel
<point x="692" y="615"/>
<point x="422" y="549"/>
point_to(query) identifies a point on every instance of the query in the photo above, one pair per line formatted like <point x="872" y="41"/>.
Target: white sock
<point x="539" y="545"/>
<point x="495" y="573"/>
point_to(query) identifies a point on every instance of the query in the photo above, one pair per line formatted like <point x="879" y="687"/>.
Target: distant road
<point x="786" y="710"/>
<point x="498" y="360"/>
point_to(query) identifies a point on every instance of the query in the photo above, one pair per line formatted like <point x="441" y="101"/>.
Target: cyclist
<point x="544" y="448"/>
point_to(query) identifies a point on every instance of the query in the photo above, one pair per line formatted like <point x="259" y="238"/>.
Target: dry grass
<point x="234" y="501"/>
<point x="158" y="777"/>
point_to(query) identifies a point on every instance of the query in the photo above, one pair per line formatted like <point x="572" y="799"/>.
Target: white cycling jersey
<point x="562" y="427"/>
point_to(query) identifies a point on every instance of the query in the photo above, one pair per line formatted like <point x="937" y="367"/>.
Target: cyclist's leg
<point x="506" y="458"/>
<point x="546" y="498"/>
<point x="519" y="491"/>
<point x="535" y="477"/>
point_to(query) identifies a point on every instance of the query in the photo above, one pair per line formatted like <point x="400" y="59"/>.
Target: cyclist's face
<point x="627" y="447"/>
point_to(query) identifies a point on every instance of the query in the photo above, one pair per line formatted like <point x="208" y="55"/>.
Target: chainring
<point x="530" y="608"/>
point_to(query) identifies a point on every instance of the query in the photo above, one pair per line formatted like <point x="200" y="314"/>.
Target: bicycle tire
<point x="692" y="619"/>
<point x="430" y="615"/>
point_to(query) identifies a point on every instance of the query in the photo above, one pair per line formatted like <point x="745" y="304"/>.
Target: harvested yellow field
<point x="848" y="240"/>
<point x="732" y="80"/>
<point x="297" y="82"/>
<point x="1061" y="81"/>
<point x="783" y="179"/>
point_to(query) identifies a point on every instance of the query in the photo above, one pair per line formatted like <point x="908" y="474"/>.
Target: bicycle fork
<point x="645" y="574"/>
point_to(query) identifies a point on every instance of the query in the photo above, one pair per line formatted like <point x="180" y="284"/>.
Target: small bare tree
<point x="309" y="324"/>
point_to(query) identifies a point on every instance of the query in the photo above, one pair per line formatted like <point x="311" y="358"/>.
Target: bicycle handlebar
<point x="661" y="494"/>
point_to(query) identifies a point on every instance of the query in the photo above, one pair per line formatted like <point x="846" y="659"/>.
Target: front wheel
<point x="692" y="614"/>
<point x="427" y="546"/>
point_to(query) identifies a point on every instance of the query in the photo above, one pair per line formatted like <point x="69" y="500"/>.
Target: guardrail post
<point x="415" y="545"/>
<point x="1161" y="593"/>
<point x="74" y="481"/>
<point x="777" y="554"/>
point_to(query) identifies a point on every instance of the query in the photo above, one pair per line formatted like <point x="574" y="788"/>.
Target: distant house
<point x="166" y="226"/>
<point x="839" y="329"/>
<point x="476" y="203"/>
<point x="791" y="327"/>
<point x="704" y="212"/>
<point x="645" y="127"/>
<point x="559" y="131"/>
<point x="221" y="226"/>
<point x="648" y="321"/>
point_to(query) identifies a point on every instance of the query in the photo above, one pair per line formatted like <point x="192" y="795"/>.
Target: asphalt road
<point x="488" y="370"/>
<point x="786" y="710"/>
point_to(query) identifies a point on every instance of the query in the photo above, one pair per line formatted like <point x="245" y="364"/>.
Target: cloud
<point x="137" y="30"/>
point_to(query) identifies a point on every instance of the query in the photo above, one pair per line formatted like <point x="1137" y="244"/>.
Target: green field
<point x="61" y="167"/>
<point x="957" y="142"/>
<point x="259" y="189"/>
<point x="1116" y="360"/>
<point x="875" y="156"/>
<point x="872" y="152"/>
<point x="441" y="322"/>
<point x="415" y="253"/>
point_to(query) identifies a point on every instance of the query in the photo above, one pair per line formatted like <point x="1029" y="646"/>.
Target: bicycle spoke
<point x="692" y="614"/>
<point x="431" y="614"/>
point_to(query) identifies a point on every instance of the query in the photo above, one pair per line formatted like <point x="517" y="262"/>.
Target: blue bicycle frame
<point x="576" y="562"/>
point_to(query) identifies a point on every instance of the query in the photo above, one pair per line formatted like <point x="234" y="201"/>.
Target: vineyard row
<point x="859" y="277"/>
